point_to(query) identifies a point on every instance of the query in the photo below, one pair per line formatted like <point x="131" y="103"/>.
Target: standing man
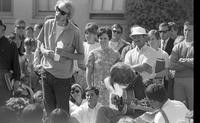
<point x="181" y="60"/>
<point x="142" y="58"/>
<point x="58" y="41"/>
<point x="9" y="61"/>
<point x="167" y="43"/>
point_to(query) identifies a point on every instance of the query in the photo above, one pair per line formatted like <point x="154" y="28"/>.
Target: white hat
<point x="138" y="31"/>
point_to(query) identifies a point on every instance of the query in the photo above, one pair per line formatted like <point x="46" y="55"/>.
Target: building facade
<point x="103" y="12"/>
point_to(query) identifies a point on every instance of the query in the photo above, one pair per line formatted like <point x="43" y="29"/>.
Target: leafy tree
<point x="150" y="13"/>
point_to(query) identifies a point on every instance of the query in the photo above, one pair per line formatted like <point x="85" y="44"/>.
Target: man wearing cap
<point x="142" y="58"/>
<point x="122" y="76"/>
<point x="9" y="61"/>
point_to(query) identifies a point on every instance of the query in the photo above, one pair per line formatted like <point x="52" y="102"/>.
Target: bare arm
<point x="89" y="70"/>
<point x="142" y="67"/>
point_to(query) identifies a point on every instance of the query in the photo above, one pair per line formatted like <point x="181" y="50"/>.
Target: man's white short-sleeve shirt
<point x="139" y="56"/>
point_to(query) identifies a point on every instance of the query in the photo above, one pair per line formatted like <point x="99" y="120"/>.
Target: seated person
<point x="124" y="82"/>
<point x="58" y="115"/>
<point x="77" y="97"/>
<point x="32" y="113"/>
<point x="87" y="112"/>
<point x="168" y="111"/>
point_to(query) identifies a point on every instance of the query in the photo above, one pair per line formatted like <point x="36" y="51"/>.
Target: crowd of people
<point x="48" y="74"/>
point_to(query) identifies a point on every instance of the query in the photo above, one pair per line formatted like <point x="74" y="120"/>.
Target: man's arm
<point x="187" y="62"/>
<point x="174" y="60"/>
<point x="142" y="67"/>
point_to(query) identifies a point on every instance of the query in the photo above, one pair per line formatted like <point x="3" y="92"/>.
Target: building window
<point x="107" y="9"/>
<point x="6" y="7"/>
<point x="45" y="7"/>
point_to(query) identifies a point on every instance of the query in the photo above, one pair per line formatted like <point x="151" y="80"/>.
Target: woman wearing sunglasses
<point x="77" y="97"/>
<point x="58" y="40"/>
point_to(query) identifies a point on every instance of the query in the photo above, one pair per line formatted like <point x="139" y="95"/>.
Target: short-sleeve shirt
<point x="140" y="56"/>
<point x="70" y="37"/>
<point x="174" y="110"/>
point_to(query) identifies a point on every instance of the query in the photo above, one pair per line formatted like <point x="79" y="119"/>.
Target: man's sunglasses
<point x="163" y="31"/>
<point x="115" y="31"/>
<point x="61" y="11"/>
<point x="20" y="27"/>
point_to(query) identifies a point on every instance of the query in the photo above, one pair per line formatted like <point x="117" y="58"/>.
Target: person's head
<point x="121" y="74"/>
<point x="7" y="115"/>
<point x="188" y="31"/>
<point x="156" y="95"/>
<point x="92" y="96"/>
<point x="77" y="92"/>
<point x="91" y="32"/>
<point x="32" y="113"/>
<point x="164" y="31"/>
<point x="174" y="29"/>
<point x="64" y="12"/>
<point x="20" y="26"/>
<point x="138" y="36"/>
<point x="37" y="28"/>
<point x="117" y="31"/>
<point x="104" y="35"/>
<point x="58" y="115"/>
<point x="38" y="97"/>
<point x="154" y="38"/>
<point x="2" y="28"/>
<point x="29" y="31"/>
<point x="28" y="44"/>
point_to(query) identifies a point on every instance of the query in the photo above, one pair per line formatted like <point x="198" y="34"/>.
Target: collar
<point x="165" y="40"/>
<point x="142" y="49"/>
<point x="165" y="104"/>
<point x="188" y="44"/>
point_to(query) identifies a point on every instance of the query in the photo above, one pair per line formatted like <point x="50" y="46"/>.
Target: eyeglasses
<point x="115" y="31"/>
<point x="61" y="11"/>
<point x="75" y="91"/>
<point x="163" y="31"/>
<point x="20" y="27"/>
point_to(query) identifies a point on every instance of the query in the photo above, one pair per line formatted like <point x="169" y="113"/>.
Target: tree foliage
<point x="150" y="13"/>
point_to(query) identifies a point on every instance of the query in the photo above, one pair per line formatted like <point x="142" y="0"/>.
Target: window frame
<point x="8" y="14"/>
<point x="40" y="14"/>
<point x="103" y="14"/>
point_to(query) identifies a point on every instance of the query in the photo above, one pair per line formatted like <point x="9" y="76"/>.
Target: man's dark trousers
<point x="56" y="92"/>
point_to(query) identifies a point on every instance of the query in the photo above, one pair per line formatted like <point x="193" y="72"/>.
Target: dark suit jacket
<point x="170" y="44"/>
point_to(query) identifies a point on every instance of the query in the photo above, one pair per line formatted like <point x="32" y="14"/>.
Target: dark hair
<point x="28" y="42"/>
<point x="58" y="115"/>
<point x="156" y="92"/>
<point x="7" y="115"/>
<point x="40" y="25"/>
<point x="173" y="25"/>
<point x="117" y="26"/>
<point x="104" y="29"/>
<point x="20" y="21"/>
<point x="91" y="27"/>
<point x="96" y="90"/>
<point x="165" y="24"/>
<point x="154" y="32"/>
<point x="29" y="27"/>
<point x="32" y="112"/>
<point x="188" y="23"/>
